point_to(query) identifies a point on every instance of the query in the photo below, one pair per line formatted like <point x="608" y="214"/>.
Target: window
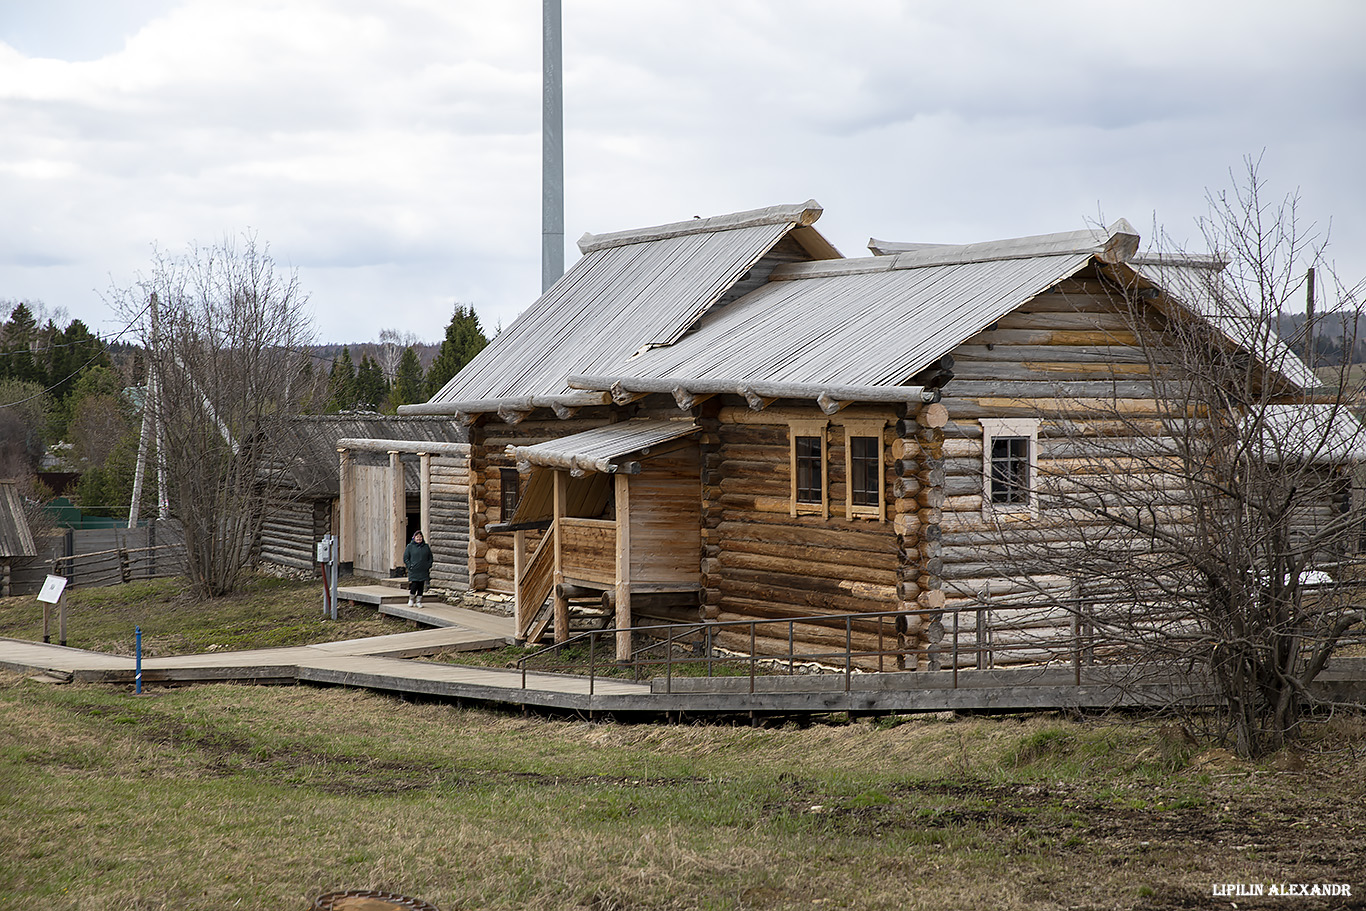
<point x="1010" y="470"/>
<point x="1009" y="458"/>
<point x="509" y="492"/>
<point x="864" y="455"/>
<point x="808" y="455"/>
<point x="864" y="468"/>
<point x="810" y="469"/>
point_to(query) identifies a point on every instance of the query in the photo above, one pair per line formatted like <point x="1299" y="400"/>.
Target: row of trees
<point x="372" y="386"/>
<point x="56" y="383"/>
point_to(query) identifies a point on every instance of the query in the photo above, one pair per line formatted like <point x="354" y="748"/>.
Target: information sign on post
<point x="53" y="592"/>
<point x="53" y="587"/>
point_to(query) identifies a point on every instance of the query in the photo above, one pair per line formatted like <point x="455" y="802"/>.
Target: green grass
<point x="269" y="612"/>
<point x="261" y="798"/>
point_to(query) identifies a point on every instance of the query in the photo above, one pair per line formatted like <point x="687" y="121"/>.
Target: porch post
<point x="519" y="607"/>
<point x="398" y="511"/>
<point x="623" y="574"/>
<point x="346" y="503"/>
<point x="425" y="495"/>
<point x="561" y="602"/>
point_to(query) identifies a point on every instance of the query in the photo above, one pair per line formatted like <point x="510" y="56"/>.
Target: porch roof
<point x="595" y="450"/>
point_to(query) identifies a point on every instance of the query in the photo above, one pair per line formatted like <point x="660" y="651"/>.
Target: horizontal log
<point x="807" y="567"/>
<point x="786" y="596"/>
<point x="415" y="446"/>
<point x="800" y="532"/>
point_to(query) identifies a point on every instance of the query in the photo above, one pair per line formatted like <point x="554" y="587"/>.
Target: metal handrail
<point x="1078" y="644"/>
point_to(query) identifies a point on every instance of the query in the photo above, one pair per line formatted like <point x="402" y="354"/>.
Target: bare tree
<point x="393" y="343"/>
<point x="1213" y="519"/>
<point x="223" y="330"/>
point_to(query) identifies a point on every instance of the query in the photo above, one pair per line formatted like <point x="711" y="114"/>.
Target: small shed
<point x="305" y="478"/>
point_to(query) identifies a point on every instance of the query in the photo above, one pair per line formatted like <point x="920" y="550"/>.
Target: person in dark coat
<point x="417" y="559"/>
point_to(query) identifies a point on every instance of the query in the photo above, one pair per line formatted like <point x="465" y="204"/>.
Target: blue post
<point x="137" y="677"/>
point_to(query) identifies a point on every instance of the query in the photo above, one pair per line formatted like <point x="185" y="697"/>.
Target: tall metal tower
<point x="552" y="146"/>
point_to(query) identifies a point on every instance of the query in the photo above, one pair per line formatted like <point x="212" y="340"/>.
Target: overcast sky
<point x="390" y="151"/>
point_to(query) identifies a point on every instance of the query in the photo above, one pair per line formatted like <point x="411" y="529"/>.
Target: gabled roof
<point x="874" y="321"/>
<point x="305" y="446"/>
<point x="629" y="291"/>
<point x="595" y="449"/>
<point x="681" y="309"/>
<point x="1194" y="283"/>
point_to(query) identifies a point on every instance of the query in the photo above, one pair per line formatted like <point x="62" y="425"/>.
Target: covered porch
<point x="614" y="512"/>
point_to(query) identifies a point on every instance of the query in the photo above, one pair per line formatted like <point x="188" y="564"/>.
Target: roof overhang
<point x="506" y="406"/>
<point x="829" y="396"/>
<point x="602" y="449"/>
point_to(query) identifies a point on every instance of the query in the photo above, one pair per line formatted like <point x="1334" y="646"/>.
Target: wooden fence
<point x="104" y="556"/>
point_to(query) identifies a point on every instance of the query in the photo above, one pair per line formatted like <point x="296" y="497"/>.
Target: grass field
<point x="224" y="797"/>
<point x="267" y="613"/>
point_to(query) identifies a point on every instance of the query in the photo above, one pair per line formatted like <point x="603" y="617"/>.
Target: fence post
<point x="956" y="613"/>
<point x="848" y="651"/>
<point x="124" y="571"/>
<point x="751" y="657"/>
<point x="1076" y="648"/>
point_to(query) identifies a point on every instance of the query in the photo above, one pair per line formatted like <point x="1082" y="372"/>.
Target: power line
<point x="104" y="349"/>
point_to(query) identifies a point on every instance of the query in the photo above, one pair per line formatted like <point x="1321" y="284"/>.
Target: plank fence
<point x="109" y="556"/>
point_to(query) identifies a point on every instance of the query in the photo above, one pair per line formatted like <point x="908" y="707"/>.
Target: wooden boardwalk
<point x="388" y="663"/>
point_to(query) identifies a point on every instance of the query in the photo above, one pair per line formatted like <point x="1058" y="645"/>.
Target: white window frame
<point x="865" y="428"/>
<point x="1020" y="428"/>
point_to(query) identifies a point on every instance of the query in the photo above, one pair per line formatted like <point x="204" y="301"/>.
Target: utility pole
<point x="552" y="146"/>
<point x="1309" y="319"/>
<point x="148" y="417"/>
<point x="151" y="429"/>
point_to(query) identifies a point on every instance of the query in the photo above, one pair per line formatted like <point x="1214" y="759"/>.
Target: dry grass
<point x="267" y="613"/>
<point x="260" y="798"/>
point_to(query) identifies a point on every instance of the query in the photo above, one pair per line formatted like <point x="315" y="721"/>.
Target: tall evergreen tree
<point x="464" y="339"/>
<point x="73" y="350"/>
<point x="16" y="351"/>
<point x="341" y="383"/>
<point x="372" y="389"/>
<point x="408" y="380"/>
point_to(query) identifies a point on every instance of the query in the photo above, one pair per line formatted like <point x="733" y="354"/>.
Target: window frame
<point x="865" y="429"/>
<point x="505" y="511"/>
<point x="1026" y="429"/>
<point x="807" y="429"/>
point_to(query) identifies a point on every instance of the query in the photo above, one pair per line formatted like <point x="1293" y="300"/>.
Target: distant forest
<point x="1338" y="337"/>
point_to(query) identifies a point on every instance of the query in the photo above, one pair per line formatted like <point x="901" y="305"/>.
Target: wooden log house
<point x="724" y="419"/>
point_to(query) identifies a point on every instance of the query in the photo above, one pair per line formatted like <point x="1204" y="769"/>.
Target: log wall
<point x="1070" y="359"/>
<point x="762" y="562"/>
<point x="449" y="519"/>
<point x="292" y="529"/>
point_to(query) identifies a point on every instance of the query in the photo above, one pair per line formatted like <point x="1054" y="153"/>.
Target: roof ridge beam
<point x="802" y="215"/>
<point x="1116" y="244"/>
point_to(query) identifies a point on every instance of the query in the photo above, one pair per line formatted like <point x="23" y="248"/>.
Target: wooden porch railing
<point x="535" y="578"/>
